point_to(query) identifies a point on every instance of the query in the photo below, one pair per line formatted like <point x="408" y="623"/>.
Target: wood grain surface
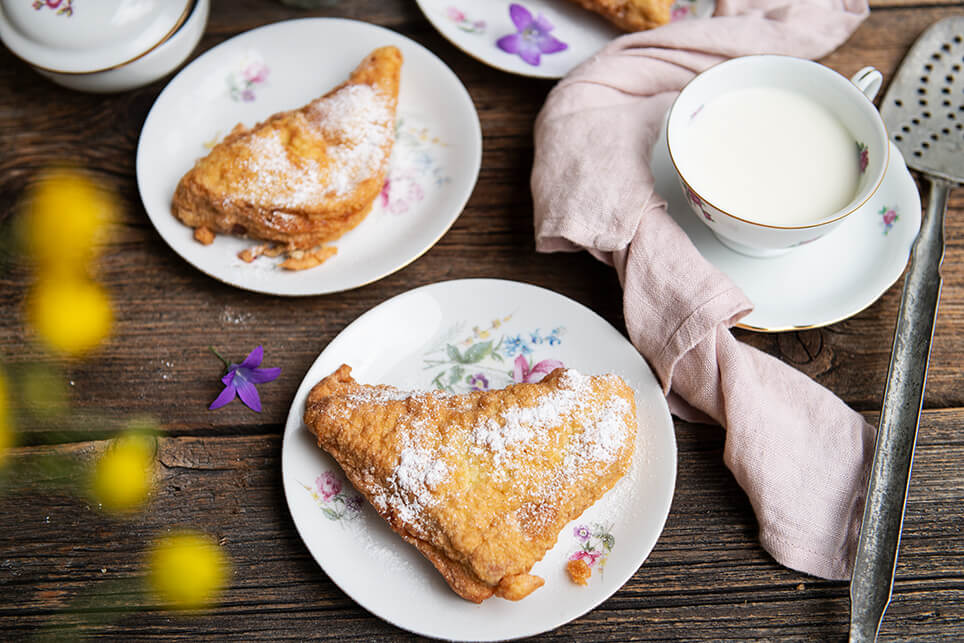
<point x="66" y="569"/>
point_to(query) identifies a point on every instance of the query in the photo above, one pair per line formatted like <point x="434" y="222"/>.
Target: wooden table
<point x="707" y="578"/>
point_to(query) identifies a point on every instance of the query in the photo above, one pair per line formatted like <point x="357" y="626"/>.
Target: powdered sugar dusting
<point x="357" y="125"/>
<point x="420" y="470"/>
<point x="603" y="426"/>
<point x="358" y="119"/>
<point x="522" y="444"/>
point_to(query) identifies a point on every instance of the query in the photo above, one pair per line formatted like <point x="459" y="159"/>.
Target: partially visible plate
<point x="459" y="335"/>
<point x="823" y="282"/>
<point x="434" y="166"/>
<point x="475" y="28"/>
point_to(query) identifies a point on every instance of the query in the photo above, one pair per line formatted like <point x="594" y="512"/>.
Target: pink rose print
<point x="695" y="199"/>
<point x="595" y="542"/>
<point x="401" y="192"/>
<point x="863" y="157"/>
<point x="328" y="485"/>
<point x="888" y="217"/>
<point x="463" y="22"/>
<point x="336" y="501"/>
<point x="589" y="556"/>
<point x="63" y="7"/>
<point x="524" y="372"/>
<point x="256" y="73"/>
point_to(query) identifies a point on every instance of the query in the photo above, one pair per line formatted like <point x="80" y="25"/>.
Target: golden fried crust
<point x="305" y="176"/>
<point x="480" y="483"/>
<point x="631" y="15"/>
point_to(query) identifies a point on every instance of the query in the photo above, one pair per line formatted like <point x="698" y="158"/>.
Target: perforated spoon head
<point x="924" y="105"/>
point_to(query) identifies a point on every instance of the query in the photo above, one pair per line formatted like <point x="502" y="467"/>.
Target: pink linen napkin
<point x="800" y="454"/>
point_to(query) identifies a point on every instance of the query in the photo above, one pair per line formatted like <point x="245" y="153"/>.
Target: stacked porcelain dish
<point x="103" y="46"/>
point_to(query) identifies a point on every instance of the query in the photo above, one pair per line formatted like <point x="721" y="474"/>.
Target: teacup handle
<point x="868" y="80"/>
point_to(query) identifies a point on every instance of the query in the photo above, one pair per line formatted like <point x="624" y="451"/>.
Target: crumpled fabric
<point x="801" y="455"/>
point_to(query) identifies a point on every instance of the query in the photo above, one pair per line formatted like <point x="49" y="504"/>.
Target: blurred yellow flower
<point x="67" y="216"/>
<point x="6" y="429"/>
<point x="187" y="570"/>
<point x="72" y="315"/>
<point x="124" y="475"/>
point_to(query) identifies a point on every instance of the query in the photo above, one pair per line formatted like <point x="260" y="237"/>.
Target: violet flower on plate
<point x="532" y="38"/>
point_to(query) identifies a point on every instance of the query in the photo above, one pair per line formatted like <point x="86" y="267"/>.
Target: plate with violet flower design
<point x="432" y="170"/>
<point x="538" y="38"/>
<point x="458" y="337"/>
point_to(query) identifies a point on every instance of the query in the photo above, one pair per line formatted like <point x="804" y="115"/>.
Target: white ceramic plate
<point x="461" y="334"/>
<point x="476" y="27"/>
<point x="822" y="282"/>
<point x="434" y="166"/>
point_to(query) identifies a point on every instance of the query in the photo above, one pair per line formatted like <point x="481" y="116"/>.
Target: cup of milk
<point x="774" y="152"/>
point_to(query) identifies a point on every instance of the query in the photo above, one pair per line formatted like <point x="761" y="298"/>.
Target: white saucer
<point x="475" y="27"/>
<point x="434" y="167"/>
<point x="460" y="334"/>
<point x="823" y="282"/>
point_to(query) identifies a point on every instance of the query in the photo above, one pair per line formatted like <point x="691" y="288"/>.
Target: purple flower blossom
<point x="532" y="38"/>
<point x="241" y="378"/>
<point x="581" y="532"/>
<point x="524" y="372"/>
<point x="328" y="485"/>
<point x="353" y="502"/>
<point x="479" y="382"/>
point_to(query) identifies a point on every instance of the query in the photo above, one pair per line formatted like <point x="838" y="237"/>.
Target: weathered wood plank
<point x="707" y="577"/>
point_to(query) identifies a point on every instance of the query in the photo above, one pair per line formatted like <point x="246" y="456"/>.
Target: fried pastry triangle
<point x="480" y="483"/>
<point x="302" y="177"/>
<point x="631" y="15"/>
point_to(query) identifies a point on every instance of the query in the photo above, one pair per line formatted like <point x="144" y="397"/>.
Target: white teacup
<point x="774" y="152"/>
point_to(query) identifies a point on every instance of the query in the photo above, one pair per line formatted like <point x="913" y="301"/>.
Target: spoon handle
<point x="873" y="576"/>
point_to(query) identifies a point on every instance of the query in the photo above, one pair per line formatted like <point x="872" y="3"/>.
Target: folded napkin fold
<point x="801" y="455"/>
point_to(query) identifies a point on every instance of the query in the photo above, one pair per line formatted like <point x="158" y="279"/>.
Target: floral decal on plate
<point x="888" y="217"/>
<point x="415" y="168"/>
<point x="463" y="22"/>
<point x="804" y="242"/>
<point x="250" y="72"/>
<point x="336" y="500"/>
<point x="532" y="38"/>
<point x="489" y="358"/>
<point x="595" y="541"/>
<point x="697" y="202"/>
<point x="63" y="7"/>
<point x="863" y="156"/>
<point x="691" y="9"/>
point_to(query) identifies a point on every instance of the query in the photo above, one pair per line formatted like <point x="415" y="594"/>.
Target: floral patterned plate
<point x="434" y="165"/>
<point x="823" y="282"/>
<point x="539" y="38"/>
<point x="460" y="336"/>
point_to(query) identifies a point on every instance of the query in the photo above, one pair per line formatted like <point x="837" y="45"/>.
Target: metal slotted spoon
<point x="924" y="113"/>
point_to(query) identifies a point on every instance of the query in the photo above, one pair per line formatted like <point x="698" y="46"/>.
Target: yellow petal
<point x="6" y="427"/>
<point x="187" y="570"/>
<point x="66" y="219"/>
<point x="124" y="475"/>
<point x="71" y="315"/>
